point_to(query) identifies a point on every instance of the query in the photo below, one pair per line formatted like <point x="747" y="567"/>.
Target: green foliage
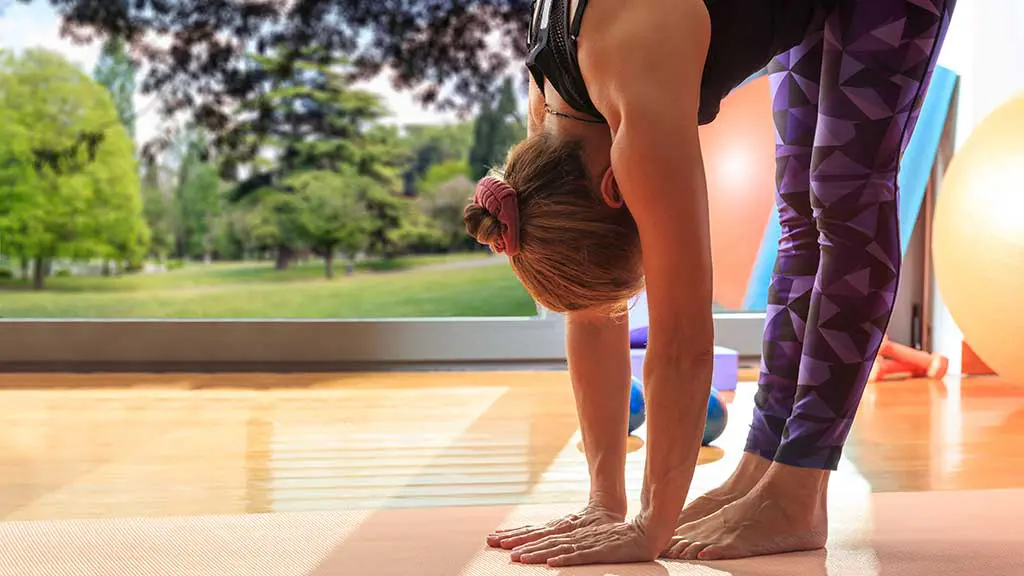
<point x="432" y="145"/>
<point x="158" y="206"/>
<point x="498" y="127"/>
<point x="311" y="120"/>
<point x="116" y="72"/>
<point x="445" y="203"/>
<point x="439" y="174"/>
<point x="86" y="206"/>
<point x="333" y="213"/>
<point x="194" y="50"/>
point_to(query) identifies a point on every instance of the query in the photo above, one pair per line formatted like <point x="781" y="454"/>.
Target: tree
<point x="66" y="195"/>
<point x="333" y="213"/>
<point x="116" y="72"/>
<point x="444" y="201"/>
<point x="430" y="146"/>
<point x="197" y="197"/>
<point x="497" y="128"/>
<point x="158" y="208"/>
<point x="312" y="120"/>
<point x="196" y="51"/>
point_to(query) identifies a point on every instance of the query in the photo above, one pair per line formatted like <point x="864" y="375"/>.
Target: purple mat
<point x="638" y="337"/>
<point x="725" y="373"/>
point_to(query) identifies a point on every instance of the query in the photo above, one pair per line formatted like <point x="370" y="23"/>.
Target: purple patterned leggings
<point x="845" y="102"/>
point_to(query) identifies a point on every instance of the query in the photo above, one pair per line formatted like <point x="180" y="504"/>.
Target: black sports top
<point x="745" y="36"/>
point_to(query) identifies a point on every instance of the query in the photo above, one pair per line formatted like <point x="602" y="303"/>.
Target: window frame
<point x="306" y="344"/>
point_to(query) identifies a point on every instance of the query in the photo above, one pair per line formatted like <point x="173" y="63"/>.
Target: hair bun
<point x="481" y="224"/>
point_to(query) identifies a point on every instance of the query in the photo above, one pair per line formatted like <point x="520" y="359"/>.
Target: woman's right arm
<point x="598" y="350"/>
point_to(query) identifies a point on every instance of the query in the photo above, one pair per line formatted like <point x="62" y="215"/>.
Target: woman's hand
<point x="592" y="515"/>
<point x="616" y="543"/>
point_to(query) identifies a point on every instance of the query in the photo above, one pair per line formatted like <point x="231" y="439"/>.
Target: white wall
<point x="985" y="48"/>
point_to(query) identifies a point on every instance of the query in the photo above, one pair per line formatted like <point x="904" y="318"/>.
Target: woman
<point x="607" y="195"/>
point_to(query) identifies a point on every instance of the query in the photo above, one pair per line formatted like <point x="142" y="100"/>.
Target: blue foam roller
<point x="717" y="419"/>
<point x="637" y="414"/>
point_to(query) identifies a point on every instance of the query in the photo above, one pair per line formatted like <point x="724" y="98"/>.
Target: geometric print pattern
<point x="845" y="103"/>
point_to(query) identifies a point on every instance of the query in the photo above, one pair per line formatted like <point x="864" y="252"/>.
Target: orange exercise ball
<point x="978" y="240"/>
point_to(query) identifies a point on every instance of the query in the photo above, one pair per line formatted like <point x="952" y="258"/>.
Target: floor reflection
<point x="175" y="445"/>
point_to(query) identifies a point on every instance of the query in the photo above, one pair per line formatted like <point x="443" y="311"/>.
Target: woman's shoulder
<point x="628" y="55"/>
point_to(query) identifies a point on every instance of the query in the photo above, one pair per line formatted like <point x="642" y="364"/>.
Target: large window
<point x="309" y="218"/>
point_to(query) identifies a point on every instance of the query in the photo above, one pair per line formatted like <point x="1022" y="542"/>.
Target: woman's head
<point x="577" y="248"/>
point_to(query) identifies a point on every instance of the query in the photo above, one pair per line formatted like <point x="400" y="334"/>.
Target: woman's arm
<point x="598" y="350"/>
<point x="650" y="91"/>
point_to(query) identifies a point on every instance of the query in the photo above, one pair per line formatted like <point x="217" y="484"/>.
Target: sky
<point x="37" y="25"/>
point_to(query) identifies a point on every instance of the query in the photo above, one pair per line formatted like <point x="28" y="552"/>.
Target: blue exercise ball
<point x="714" y="424"/>
<point x="718" y="417"/>
<point x="637" y="414"/>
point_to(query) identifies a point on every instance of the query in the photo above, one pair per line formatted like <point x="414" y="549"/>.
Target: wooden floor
<point x="92" y="446"/>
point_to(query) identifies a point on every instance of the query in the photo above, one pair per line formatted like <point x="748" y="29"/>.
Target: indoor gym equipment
<point x="889" y="369"/>
<point x="714" y="424"/>
<point x="928" y="364"/>
<point x="637" y="413"/>
<point x="978" y="239"/>
<point x="717" y="418"/>
<point x="724" y="375"/>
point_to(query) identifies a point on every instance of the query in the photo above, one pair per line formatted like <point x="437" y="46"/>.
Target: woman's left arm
<point x="647" y="67"/>
<point x="656" y="159"/>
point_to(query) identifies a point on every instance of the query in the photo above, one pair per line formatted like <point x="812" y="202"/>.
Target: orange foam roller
<point x="929" y="364"/>
<point x="889" y="369"/>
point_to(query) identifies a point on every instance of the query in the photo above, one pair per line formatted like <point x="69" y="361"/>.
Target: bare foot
<point x="786" y="512"/>
<point x="748" y="473"/>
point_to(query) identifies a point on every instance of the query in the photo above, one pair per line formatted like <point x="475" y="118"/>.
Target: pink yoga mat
<point x="900" y="534"/>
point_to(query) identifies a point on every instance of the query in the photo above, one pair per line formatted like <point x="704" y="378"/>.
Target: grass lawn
<point x="438" y="286"/>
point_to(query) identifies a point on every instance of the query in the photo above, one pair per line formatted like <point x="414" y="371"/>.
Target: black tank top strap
<point x="552" y="56"/>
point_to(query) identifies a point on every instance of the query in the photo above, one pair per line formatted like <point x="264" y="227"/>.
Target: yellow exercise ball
<point x="978" y="240"/>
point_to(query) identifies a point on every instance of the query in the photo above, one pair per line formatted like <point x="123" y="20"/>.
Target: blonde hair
<point x="576" y="252"/>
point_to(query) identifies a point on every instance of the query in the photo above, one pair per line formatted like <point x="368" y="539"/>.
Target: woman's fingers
<point x="543" y="555"/>
<point x="518" y="537"/>
<point x="517" y="541"/>
<point x="547" y="543"/>
<point x="576" y="558"/>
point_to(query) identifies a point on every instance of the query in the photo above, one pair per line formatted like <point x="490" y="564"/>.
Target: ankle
<point x="802" y="488"/>
<point x="751" y="469"/>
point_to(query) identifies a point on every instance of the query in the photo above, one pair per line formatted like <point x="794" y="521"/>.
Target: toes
<point x="693" y="550"/>
<point x="713" y="552"/>
<point x="675" y="548"/>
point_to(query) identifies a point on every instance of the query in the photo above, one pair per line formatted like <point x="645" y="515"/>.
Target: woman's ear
<point x="610" y="190"/>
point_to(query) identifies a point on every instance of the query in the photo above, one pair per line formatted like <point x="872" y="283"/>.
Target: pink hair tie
<point x="499" y="199"/>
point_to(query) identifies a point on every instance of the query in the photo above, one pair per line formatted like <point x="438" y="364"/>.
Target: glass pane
<point x="308" y="195"/>
<point x="351" y="206"/>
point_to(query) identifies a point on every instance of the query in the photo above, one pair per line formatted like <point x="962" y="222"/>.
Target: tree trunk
<point x="39" y="273"/>
<point x="24" y="267"/>
<point x="329" y="264"/>
<point x="106" y="267"/>
<point x="284" y="257"/>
